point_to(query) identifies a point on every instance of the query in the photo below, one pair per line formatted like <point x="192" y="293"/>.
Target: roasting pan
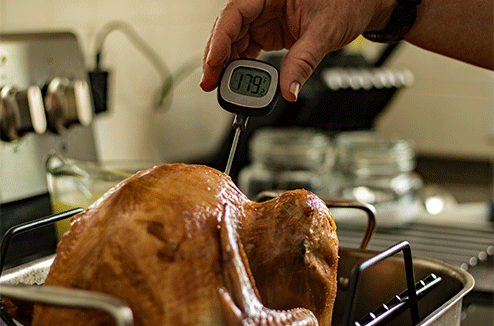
<point x="370" y="284"/>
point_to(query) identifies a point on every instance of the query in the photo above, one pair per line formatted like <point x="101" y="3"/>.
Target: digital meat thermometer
<point x="247" y="87"/>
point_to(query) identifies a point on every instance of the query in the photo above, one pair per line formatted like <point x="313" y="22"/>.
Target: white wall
<point x="445" y="112"/>
<point x="448" y="111"/>
<point x="177" y="30"/>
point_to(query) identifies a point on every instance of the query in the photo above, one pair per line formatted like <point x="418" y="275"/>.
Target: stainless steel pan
<point x="376" y="286"/>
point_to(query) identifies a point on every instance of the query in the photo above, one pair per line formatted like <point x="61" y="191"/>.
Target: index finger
<point x="226" y="31"/>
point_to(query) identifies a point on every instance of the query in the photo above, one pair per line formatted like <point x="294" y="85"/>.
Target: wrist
<point x="382" y="15"/>
<point x="400" y="21"/>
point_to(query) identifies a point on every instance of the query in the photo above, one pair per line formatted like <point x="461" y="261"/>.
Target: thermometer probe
<point x="247" y="87"/>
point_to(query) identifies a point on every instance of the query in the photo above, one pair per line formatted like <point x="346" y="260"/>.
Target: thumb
<point x="299" y="63"/>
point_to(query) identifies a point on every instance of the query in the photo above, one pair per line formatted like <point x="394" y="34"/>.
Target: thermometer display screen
<point x="250" y="81"/>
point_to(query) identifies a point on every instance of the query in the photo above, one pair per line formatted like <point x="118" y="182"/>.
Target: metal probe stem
<point x="232" y="151"/>
<point x="239" y="123"/>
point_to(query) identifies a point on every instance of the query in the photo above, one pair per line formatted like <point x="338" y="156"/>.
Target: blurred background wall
<point x="447" y="112"/>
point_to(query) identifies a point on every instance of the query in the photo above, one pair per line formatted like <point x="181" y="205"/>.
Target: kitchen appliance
<point x="371" y="295"/>
<point x="46" y="106"/>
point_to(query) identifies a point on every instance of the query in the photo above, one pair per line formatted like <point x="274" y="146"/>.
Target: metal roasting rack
<point x="399" y="303"/>
<point x="73" y="298"/>
<point x="122" y="314"/>
<point x="395" y="306"/>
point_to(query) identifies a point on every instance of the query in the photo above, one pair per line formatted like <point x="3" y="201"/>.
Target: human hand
<point x="308" y="28"/>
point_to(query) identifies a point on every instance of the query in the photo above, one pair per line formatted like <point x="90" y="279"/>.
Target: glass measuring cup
<point x="74" y="183"/>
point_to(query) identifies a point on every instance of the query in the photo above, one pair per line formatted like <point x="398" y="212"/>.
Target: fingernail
<point x="202" y="79"/>
<point x="294" y="89"/>
<point x="208" y="56"/>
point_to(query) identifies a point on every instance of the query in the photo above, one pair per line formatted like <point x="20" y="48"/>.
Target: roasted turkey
<point x="181" y="245"/>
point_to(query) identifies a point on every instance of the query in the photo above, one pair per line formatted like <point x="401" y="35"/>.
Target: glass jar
<point x="286" y="159"/>
<point x="378" y="170"/>
<point x="74" y="183"/>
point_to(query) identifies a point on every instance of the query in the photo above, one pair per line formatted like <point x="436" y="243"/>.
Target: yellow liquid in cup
<point x="70" y="201"/>
<point x="62" y="226"/>
<point x="74" y="184"/>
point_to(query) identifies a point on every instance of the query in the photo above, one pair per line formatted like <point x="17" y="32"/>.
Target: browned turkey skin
<point x="181" y="245"/>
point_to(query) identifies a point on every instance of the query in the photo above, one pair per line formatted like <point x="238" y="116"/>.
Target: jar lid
<point x="290" y="148"/>
<point x="366" y="153"/>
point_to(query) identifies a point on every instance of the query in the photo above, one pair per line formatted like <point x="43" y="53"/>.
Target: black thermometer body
<point x="247" y="87"/>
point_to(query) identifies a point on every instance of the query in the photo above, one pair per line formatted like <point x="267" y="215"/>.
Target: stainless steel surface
<point x="378" y="284"/>
<point x="440" y="307"/>
<point x="21" y="111"/>
<point x="468" y="245"/>
<point x="232" y="151"/>
<point x="469" y="248"/>
<point x="9" y="113"/>
<point x="71" y="298"/>
<point x="239" y="124"/>
<point x="28" y="64"/>
<point x="67" y="103"/>
<point x="34" y="60"/>
<point x="33" y="273"/>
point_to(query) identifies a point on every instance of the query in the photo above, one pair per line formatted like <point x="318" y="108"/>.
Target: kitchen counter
<point x="461" y="234"/>
<point x="466" y="180"/>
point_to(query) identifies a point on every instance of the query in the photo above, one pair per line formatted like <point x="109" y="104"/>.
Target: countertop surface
<point x="466" y="180"/>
